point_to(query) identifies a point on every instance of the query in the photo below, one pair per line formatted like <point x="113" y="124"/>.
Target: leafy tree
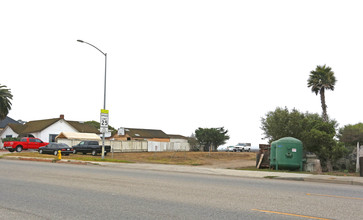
<point x="317" y="135"/>
<point x="351" y="134"/>
<point x="319" y="138"/>
<point x="211" y="138"/>
<point x="321" y="79"/>
<point x="283" y="123"/>
<point x="5" y="103"/>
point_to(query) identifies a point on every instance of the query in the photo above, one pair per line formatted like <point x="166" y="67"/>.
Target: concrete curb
<point x="209" y="171"/>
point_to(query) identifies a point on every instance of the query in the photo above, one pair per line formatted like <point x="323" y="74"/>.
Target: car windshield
<point x="63" y="145"/>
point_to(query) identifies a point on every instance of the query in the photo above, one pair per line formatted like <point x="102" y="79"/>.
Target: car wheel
<point x="66" y="154"/>
<point x="19" y="148"/>
<point x="74" y="151"/>
<point x="55" y="153"/>
<point x="40" y="151"/>
<point x="105" y="153"/>
<point x="94" y="153"/>
<point x="11" y="150"/>
<point x="84" y="153"/>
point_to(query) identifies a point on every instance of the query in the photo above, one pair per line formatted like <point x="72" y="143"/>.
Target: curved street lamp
<point x="104" y="94"/>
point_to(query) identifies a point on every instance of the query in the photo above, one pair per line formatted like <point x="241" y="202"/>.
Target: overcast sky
<point x="180" y="65"/>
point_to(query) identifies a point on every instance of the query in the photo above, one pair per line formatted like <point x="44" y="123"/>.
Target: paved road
<point x="33" y="190"/>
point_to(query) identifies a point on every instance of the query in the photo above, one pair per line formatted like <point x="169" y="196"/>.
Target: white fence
<point x="127" y="146"/>
<point x="137" y="146"/>
<point x="153" y="146"/>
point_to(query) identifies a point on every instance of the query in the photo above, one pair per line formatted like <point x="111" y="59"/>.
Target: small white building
<point x="73" y="138"/>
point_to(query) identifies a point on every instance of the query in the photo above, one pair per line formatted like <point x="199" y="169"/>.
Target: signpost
<point x="104" y="118"/>
<point x="104" y="128"/>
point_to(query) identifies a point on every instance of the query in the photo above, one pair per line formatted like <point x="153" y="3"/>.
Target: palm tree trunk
<point x="323" y="105"/>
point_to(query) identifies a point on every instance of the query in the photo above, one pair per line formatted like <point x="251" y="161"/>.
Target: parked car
<point x="90" y="147"/>
<point x="24" y="144"/>
<point x="230" y="149"/>
<point x="242" y="147"/>
<point x="53" y="148"/>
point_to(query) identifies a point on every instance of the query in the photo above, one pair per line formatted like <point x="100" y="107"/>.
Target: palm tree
<point x="5" y="103"/>
<point x="321" y="79"/>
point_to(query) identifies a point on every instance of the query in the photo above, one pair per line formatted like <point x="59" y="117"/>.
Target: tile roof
<point x="145" y="133"/>
<point x="83" y="128"/>
<point x="18" y="128"/>
<point x="39" y="125"/>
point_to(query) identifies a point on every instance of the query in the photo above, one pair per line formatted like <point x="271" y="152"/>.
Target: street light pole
<point x="104" y="94"/>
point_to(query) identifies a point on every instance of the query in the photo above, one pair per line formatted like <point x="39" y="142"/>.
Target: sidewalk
<point x="241" y="173"/>
<point x="215" y="171"/>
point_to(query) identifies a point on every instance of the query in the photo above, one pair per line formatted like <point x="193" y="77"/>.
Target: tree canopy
<point x="211" y="138"/>
<point x="5" y="101"/>
<point x="321" y="79"/>
<point x="351" y="134"/>
<point x="317" y="135"/>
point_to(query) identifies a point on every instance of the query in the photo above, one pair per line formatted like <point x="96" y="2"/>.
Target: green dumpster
<point x="286" y="153"/>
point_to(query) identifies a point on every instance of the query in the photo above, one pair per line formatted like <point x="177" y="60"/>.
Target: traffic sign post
<point x="103" y="128"/>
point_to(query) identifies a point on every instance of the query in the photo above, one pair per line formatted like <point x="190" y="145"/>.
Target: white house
<point x="46" y="129"/>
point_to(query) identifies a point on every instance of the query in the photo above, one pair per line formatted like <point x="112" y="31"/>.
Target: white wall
<point x="153" y="146"/>
<point x="127" y="146"/>
<point x="116" y="146"/>
<point x="56" y="128"/>
<point x="174" y="140"/>
<point x="8" y="131"/>
<point x="136" y="146"/>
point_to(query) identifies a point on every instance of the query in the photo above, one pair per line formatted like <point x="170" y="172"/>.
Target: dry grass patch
<point x="180" y="158"/>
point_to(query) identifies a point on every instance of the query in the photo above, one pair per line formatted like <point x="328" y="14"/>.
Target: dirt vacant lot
<point x="231" y="160"/>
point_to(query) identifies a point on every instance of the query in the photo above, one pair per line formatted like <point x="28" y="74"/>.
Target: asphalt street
<point x="38" y="190"/>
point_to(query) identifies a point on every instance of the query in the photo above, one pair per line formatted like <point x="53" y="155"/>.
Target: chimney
<point x="61" y="116"/>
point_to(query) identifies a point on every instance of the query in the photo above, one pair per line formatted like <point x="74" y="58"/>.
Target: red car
<point x="24" y="144"/>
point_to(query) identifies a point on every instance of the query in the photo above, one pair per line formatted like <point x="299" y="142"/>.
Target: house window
<point x="9" y="136"/>
<point x="128" y="138"/>
<point x="52" y="137"/>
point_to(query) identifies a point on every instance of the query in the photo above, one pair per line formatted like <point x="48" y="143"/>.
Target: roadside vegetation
<point x="336" y="148"/>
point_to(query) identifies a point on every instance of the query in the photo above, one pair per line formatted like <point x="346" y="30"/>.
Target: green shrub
<point x="10" y="139"/>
